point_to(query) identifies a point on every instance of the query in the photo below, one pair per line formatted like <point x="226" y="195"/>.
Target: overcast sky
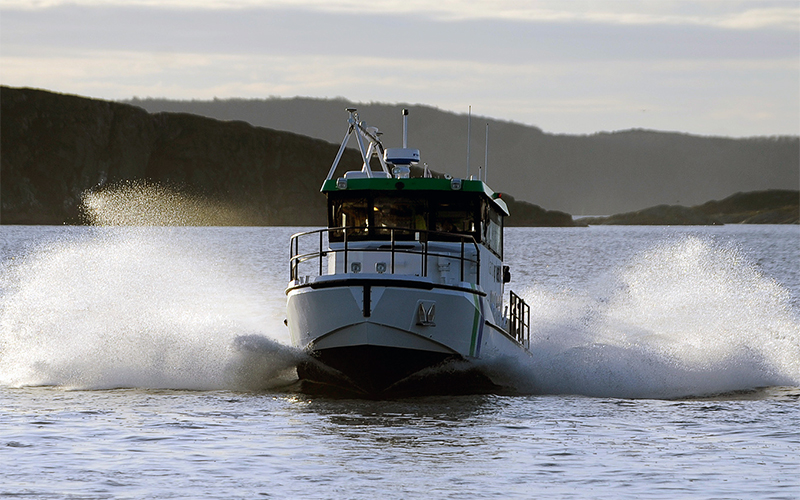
<point x="710" y="67"/>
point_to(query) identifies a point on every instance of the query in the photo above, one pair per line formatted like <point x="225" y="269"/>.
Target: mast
<point x="405" y="128"/>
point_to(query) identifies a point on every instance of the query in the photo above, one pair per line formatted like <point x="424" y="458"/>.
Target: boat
<point x="403" y="292"/>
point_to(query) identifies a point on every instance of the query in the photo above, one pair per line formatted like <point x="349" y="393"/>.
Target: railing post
<point x="462" y="259"/>
<point x="528" y="330"/>
<point x="345" y="251"/>
<point x="320" y="252"/>
<point x="295" y="262"/>
<point x="291" y="259"/>
<point x="424" y="270"/>
<point x="478" y="271"/>
<point x="391" y="237"/>
<point x="513" y="315"/>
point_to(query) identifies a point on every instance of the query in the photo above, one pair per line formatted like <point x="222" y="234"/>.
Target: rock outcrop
<point x="774" y="206"/>
<point x="528" y="214"/>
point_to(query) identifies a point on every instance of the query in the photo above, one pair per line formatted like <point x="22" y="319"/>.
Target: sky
<point x="707" y="67"/>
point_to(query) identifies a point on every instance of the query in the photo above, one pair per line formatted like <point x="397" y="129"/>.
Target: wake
<point x="687" y="318"/>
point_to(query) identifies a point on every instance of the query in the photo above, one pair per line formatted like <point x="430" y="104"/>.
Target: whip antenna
<point x="486" y="159"/>
<point x="469" y="126"/>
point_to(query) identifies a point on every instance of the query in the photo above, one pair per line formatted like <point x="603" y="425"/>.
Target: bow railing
<point x="401" y="241"/>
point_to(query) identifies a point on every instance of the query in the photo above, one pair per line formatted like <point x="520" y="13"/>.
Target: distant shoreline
<point x="772" y="206"/>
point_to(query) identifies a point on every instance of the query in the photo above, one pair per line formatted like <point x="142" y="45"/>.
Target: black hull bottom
<point x="385" y="372"/>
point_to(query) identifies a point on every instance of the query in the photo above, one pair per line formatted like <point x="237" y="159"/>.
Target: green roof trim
<point x="417" y="184"/>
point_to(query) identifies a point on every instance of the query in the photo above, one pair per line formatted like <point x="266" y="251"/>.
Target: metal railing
<point x="405" y="246"/>
<point x="519" y="320"/>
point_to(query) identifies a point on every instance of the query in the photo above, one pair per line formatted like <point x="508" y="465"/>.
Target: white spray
<point x="686" y="318"/>
<point x="136" y="307"/>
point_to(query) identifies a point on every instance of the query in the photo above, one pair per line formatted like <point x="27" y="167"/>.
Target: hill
<point x="56" y="147"/>
<point x="603" y="173"/>
<point x="774" y="206"/>
<point x="170" y="168"/>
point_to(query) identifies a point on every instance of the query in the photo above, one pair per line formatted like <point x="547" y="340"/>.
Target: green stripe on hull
<point x="476" y="320"/>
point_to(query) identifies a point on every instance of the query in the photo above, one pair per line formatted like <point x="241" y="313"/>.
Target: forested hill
<point x="170" y="168"/>
<point x="603" y="173"/>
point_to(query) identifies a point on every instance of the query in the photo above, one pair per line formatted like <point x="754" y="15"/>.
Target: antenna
<point x="469" y="125"/>
<point x="405" y="128"/>
<point x="486" y="159"/>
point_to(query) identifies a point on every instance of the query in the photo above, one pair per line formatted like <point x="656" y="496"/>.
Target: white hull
<point x="378" y="330"/>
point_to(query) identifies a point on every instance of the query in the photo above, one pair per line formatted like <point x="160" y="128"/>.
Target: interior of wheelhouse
<point x="422" y="216"/>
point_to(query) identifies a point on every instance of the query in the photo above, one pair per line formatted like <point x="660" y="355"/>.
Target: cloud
<point x="749" y="14"/>
<point x="704" y="67"/>
<point x="709" y="97"/>
<point x="295" y="32"/>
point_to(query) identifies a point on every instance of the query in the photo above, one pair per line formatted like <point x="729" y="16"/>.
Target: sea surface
<point x="153" y="363"/>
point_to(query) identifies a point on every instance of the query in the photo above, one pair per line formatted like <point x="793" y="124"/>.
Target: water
<point x="152" y="362"/>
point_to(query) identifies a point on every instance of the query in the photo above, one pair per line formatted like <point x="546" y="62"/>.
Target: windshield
<point x="431" y="214"/>
<point x="391" y="211"/>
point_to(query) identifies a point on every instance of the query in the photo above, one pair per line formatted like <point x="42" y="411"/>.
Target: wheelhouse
<point x="427" y="208"/>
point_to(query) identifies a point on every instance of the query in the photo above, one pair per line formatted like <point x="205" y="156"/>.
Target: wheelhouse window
<point x="492" y="229"/>
<point x="350" y="213"/>
<point x="395" y="212"/>
<point x="455" y="217"/>
<point x="429" y="215"/>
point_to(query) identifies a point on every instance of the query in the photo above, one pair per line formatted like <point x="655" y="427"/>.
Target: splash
<point x="136" y="307"/>
<point x="689" y="317"/>
<point x="142" y="203"/>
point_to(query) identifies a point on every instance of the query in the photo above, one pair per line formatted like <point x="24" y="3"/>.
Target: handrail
<point x="296" y="258"/>
<point x="520" y="320"/>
